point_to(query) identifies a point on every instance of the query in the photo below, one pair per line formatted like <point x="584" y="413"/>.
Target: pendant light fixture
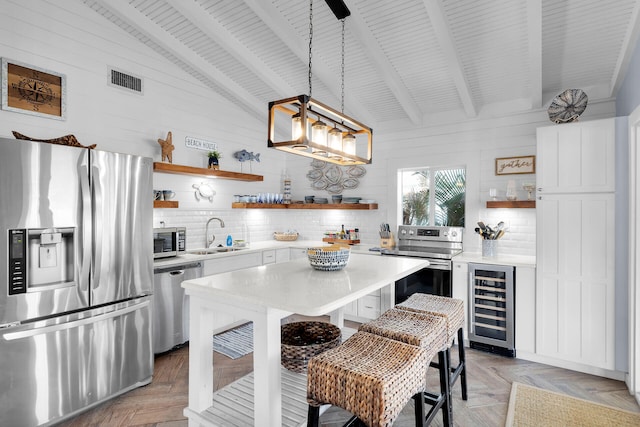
<point x="319" y="131"/>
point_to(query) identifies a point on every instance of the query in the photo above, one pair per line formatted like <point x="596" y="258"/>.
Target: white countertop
<point x="296" y="287"/>
<point x="515" y="260"/>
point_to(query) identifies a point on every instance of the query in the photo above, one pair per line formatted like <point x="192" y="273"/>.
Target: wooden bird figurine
<point x="167" y="148"/>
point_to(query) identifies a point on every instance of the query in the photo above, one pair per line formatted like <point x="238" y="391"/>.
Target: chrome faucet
<point x="208" y="242"/>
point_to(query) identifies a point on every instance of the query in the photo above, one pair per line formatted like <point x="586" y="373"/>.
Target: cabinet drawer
<point x="268" y="257"/>
<point x="369" y="307"/>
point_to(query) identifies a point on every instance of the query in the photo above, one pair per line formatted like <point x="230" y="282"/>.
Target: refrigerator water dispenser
<point x="41" y="259"/>
<point x="50" y="258"/>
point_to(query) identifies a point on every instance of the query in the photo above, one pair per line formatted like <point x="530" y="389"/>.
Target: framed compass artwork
<point x="32" y="90"/>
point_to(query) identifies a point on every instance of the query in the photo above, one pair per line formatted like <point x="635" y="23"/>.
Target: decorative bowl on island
<point x="328" y="258"/>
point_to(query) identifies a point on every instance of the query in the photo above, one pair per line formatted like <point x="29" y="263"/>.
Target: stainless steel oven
<point x="436" y="244"/>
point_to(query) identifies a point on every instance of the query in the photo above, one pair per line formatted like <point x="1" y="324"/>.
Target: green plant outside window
<point x="433" y="196"/>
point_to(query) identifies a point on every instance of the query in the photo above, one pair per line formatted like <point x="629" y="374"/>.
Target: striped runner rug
<point x="236" y="342"/>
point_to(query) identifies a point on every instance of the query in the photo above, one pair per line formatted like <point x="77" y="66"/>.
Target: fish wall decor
<point x="245" y="156"/>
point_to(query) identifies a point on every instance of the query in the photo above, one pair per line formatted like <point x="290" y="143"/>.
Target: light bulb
<point x="335" y="140"/>
<point x="349" y="144"/>
<point x="319" y="135"/>
<point x="296" y="127"/>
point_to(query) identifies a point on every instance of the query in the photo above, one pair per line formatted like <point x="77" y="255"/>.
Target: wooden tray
<point x="343" y="241"/>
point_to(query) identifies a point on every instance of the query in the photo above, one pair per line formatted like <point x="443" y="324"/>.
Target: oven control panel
<point x="414" y="232"/>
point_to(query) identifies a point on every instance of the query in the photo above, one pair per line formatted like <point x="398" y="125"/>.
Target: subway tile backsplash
<point x="259" y="225"/>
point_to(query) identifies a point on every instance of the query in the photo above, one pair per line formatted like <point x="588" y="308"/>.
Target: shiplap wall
<point x="70" y="38"/>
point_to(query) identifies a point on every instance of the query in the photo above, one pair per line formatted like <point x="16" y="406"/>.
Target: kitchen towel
<point x="236" y="342"/>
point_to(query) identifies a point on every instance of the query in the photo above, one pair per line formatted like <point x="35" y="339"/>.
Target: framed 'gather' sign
<point x="32" y="90"/>
<point x="515" y="165"/>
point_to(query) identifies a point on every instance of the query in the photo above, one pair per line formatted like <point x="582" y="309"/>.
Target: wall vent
<point x="125" y="80"/>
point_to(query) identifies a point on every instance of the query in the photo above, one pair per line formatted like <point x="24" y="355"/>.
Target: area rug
<point x="236" y="342"/>
<point x="532" y="406"/>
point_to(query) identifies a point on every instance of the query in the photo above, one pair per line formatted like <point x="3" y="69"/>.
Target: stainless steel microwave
<point x="169" y="242"/>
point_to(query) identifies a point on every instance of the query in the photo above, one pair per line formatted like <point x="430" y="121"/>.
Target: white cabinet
<point x="231" y="263"/>
<point x="460" y="290"/>
<point x="283" y="255"/>
<point x="576" y="157"/>
<point x="576" y="243"/>
<point x="525" y="309"/>
<point x="366" y="308"/>
<point x="297" y="253"/>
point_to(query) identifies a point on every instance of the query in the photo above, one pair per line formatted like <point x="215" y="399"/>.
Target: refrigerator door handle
<point x="97" y="209"/>
<point x="85" y="191"/>
<point x="73" y="324"/>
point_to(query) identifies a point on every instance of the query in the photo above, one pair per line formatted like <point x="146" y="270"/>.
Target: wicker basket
<point x="303" y="340"/>
<point x="330" y="258"/>
<point x="285" y="236"/>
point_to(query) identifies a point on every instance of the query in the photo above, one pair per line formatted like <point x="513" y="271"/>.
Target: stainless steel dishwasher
<point x="171" y="305"/>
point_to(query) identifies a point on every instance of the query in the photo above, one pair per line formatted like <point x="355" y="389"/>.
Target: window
<point x="433" y="196"/>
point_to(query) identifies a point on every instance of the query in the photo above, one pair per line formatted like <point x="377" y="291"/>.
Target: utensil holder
<point x="388" y="242"/>
<point x="489" y="248"/>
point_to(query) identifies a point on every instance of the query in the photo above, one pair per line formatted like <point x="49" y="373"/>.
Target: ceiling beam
<point x="626" y="51"/>
<point x="131" y="16"/>
<point x="300" y="47"/>
<point x="357" y="25"/>
<point x="438" y="20"/>
<point x="210" y="26"/>
<point x="534" y="36"/>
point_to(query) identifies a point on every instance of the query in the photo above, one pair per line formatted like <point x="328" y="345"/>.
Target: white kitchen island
<point x="265" y="295"/>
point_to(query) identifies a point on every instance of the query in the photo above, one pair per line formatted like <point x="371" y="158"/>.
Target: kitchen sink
<point x="209" y="251"/>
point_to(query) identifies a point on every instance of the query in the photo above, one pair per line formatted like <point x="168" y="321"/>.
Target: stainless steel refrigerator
<point x="77" y="269"/>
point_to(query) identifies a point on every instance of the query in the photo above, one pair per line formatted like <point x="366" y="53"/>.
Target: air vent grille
<point x="126" y="81"/>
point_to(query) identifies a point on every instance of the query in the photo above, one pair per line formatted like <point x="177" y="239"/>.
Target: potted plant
<point x="213" y="159"/>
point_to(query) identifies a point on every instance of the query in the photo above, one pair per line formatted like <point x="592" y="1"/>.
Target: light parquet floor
<point x="160" y="404"/>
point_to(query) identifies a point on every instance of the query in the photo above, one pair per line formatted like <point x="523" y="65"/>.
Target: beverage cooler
<point x="492" y="308"/>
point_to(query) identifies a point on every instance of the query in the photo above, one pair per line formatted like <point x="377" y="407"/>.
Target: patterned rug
<point x="236" y="342"/>
<point x="532" y="406"/>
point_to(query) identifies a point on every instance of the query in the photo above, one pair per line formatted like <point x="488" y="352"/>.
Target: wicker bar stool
<point x="452" y="310"/>
<point x="370" y="376"/>
<point x="426" y="331"/>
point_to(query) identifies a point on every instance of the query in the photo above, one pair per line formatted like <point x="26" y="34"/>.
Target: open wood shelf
<point x="511" y="204"/>
<point x="345" y="206"/>
<point x="165" y="204"/>
<point x="208" y="173"/>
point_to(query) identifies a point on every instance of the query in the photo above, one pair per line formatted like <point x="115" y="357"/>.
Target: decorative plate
<point x="568" y="106"/>
<point x="314" y="174"/>
<point x="335" y="188"/>
<point x="350" y="183"/>
<point x="333" y="174"/>
<point x="356" y="171"/>
<point x="320" y="184"/>
<point x="318" y="164"/>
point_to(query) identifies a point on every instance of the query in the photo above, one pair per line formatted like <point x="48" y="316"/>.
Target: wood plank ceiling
<point x="408" y="62"/>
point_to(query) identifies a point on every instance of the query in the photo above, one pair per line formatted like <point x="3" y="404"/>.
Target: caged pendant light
<point x="317" y="130"/>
